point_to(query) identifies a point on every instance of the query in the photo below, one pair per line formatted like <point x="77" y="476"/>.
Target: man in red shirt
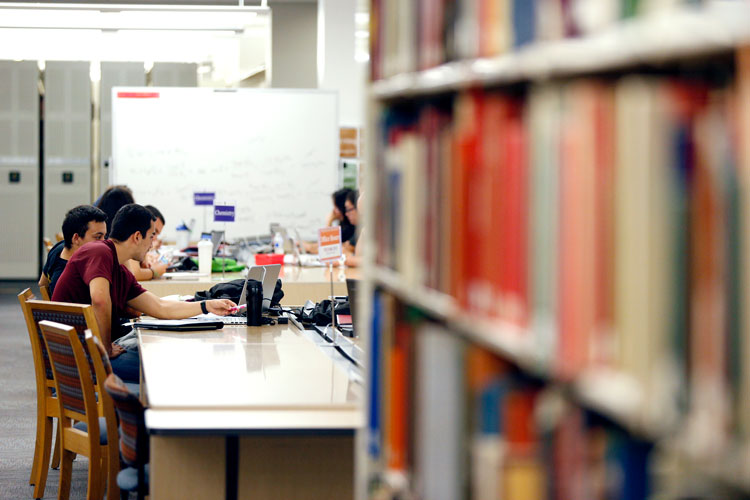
<point x="96" y="275"/>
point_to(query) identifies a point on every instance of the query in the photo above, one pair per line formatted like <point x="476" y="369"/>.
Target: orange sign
<point x="329" y="243"/>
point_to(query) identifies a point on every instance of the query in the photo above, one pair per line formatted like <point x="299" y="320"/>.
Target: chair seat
<point x="127" y="479"/>
<point x="81" y="426"/>
<point x="134" y="389"/>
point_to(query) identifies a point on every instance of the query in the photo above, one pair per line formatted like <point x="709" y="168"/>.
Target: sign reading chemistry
<point x="223" y="213"/>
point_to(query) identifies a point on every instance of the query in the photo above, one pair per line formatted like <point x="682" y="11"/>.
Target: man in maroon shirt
<point x="96" y="275"/>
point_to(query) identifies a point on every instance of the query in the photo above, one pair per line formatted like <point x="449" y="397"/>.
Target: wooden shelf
<point x="612" y="394"/>
<point x="670" y="36"/>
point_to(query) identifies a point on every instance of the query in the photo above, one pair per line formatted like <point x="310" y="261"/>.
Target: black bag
<point x="320" y="315"/>
<point x="233" y="289"/>
<point x="184" y="264"/>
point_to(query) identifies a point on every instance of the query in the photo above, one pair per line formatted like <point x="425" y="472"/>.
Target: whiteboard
<point x="272" y="153"/>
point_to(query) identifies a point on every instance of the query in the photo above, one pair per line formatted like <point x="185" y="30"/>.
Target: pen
<point x="237" y="309"/>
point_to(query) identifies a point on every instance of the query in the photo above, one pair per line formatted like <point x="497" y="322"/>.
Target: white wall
<point x="337" y="68"/>
<point x="293" y="41"/>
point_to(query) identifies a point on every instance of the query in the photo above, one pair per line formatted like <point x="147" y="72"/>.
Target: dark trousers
<point x="127" y="366"/>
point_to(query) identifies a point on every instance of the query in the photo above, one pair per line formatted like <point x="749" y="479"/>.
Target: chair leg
<point x="66" y="472"/>
<point x="94" y="489"/>
<point x="37" y="448"/>
<point x="43" y="459"/>
<point x="56" y="450"/>
<point x="113" y="468"/>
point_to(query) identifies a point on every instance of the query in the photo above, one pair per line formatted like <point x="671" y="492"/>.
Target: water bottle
<point x="278" y="243"/>
<point x="205" y="247"/>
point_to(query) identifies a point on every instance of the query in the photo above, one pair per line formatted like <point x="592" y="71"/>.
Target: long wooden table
<point x="299" y="283"/>
<point x="262" y="413"/>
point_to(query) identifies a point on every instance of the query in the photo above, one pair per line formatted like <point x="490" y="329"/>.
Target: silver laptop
<point x="267" y="275"/>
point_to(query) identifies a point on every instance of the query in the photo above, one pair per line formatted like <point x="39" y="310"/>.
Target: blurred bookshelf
<point x="560" y="193"/>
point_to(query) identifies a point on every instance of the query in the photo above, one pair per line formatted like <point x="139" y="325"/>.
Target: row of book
<point x="407" y="35"/>
<point x="451" y="420"/>
<point x="605" y="218"/>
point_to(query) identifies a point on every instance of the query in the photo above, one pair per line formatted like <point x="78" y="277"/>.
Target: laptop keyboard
<point x="233" y="320"/>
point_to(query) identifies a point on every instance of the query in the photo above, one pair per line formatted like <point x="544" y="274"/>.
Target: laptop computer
<point x="216" y="239"/>
<point x="267" y="275"/>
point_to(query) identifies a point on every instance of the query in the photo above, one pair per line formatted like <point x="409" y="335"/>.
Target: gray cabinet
<point x="19" y="170"/>
<point x="67" y="140"/>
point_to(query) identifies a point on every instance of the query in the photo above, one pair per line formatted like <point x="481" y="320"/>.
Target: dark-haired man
<point x="150" y="268"/>
<point x="96" y="275"/>
<point x="81" y="225"/>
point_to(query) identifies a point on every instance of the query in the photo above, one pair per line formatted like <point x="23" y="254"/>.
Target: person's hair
<point x="353" y="197"/>
<point x="339" y="197"/>
<point x="155" y="212"/>
<point x="128" y="220"/>
<point x="77" y="222"/>
<point x="112" y="200"/>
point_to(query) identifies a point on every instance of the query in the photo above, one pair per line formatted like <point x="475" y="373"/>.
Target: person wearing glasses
<point x="351" y="213"/>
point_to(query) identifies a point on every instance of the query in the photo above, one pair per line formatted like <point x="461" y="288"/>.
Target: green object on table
<point x="230" y="265"/>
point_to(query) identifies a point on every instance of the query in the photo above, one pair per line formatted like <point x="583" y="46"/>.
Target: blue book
<point x="373" y="418"/>
<point x="524" y="22"/>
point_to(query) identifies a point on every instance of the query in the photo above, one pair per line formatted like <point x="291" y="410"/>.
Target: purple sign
<point x="223" y="213"/>
<point x="204" y="198"/>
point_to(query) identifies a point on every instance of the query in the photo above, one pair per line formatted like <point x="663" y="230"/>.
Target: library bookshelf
<point x="558" y="199"/>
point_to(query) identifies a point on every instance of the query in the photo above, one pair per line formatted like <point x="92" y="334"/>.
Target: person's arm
<point x="157" y="307"/>
<point x="330" y="219"/>
<point x="43" y="280"/>
<point x="356" y="259"/>
<point x="102" y="303"/>
<point x="145" y="274"/>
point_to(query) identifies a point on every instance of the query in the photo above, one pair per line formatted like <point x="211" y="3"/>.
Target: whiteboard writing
<point x="274" y="152"/>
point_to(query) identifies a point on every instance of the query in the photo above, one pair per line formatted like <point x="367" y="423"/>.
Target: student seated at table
<point x="350" y="210"/>
<point x="337" y="217"/>
<point x="150" y="268"/>
<point x="354" y="258"/>
<point x="81" y="225"/>
<point x="96" y="275"/>
<point x="114" y="198"/>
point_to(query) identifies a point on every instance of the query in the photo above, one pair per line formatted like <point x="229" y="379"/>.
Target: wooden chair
<point x="44" y="290"/>
<point x="46" y="404"/>
<point x="103" y="369"/>
<point x="80" y="317"/>
<point x="77" y="402"/>
<point x="134" y="446"/>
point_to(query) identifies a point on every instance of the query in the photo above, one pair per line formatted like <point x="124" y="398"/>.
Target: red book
<point x="466" y="231"/>
<point x="514" y="286"/>
<point x="398" y="437"/>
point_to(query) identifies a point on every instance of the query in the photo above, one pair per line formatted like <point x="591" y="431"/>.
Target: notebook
<point x="181" y="325"/>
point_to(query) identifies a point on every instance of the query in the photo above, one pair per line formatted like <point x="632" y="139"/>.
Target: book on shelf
<point x="416" y="35"/>
<point x="601" y="216"/>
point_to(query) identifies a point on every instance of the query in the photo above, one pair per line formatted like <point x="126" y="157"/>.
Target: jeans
<point x="127" y="366"/>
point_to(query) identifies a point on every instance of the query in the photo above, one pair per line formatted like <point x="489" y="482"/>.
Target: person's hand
<point x="220" y="307"/>
<point x="116" y="351"/>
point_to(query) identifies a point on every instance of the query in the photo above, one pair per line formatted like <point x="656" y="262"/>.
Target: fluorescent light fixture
<point x="120" y="17"/>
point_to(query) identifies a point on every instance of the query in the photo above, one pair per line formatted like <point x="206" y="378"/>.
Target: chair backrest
<point x="133" y="440"/>
<point x="73" y="380"/>
<point x="44" y="291"/>
<point x="79" y="316"/>
<point x="99" y="356"/>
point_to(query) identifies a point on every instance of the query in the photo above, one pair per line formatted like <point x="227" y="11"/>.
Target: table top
<point x="246" y="378"/>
